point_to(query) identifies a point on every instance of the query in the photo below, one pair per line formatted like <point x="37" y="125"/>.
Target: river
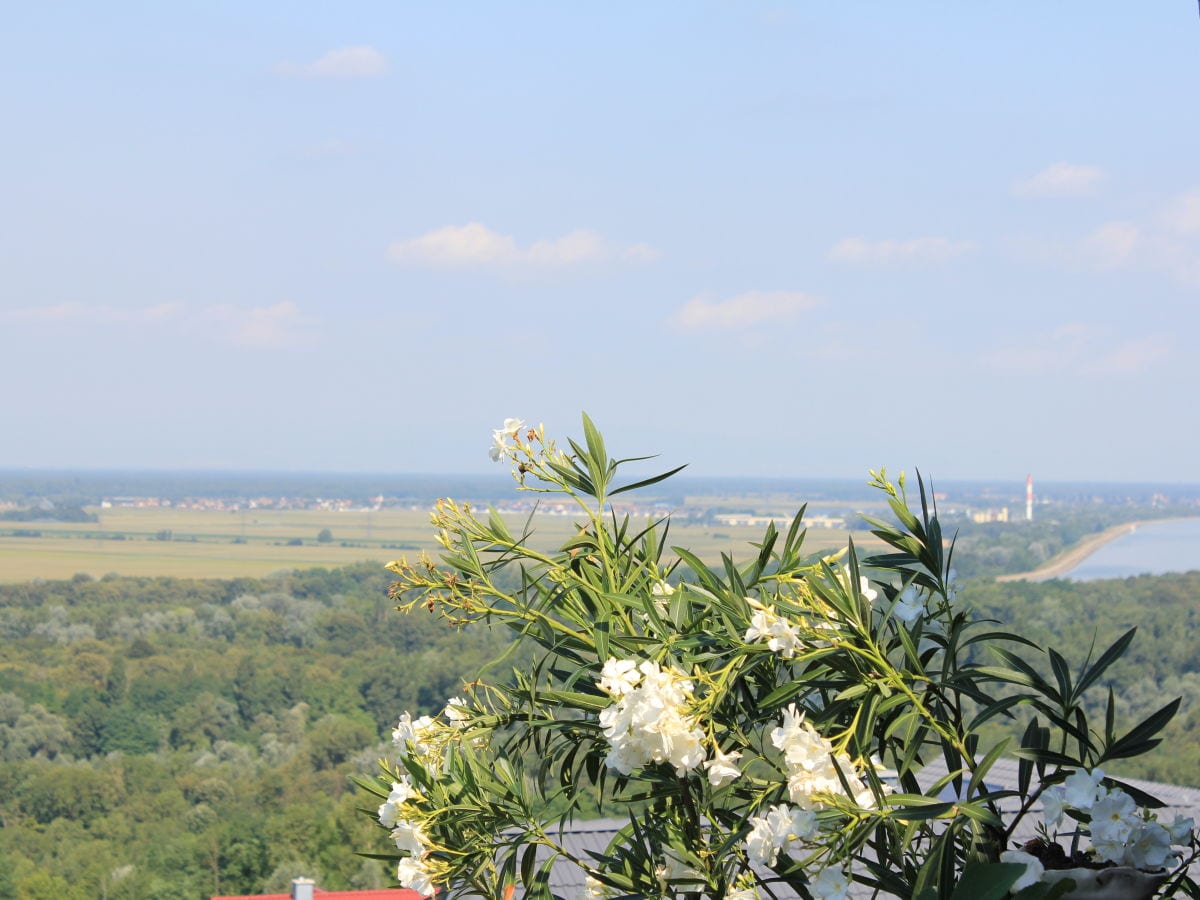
<point x="1155" y="548"/>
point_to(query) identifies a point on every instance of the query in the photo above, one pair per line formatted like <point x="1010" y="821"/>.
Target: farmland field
<point x="204" y="544"/>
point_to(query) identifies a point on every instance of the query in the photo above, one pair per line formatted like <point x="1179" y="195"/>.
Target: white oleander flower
<point x="1114" y="820"/>
<point x="1149" y="846"/>
<point x="1181" y="830"/>
<point x="813" y="768"/>
<point x="864" y="586"/>
<point x="1082" y="788"/>
<point x="501" y="436"/>
<point x="783" y="637"/>
<point x="1033" y="868"/>
<point x="411" y="736"/>
<point x="409" y="837"/>
<point x="593" y="889"/>
<point x="830" y="884"/>
<point x="909" y="606"/>
<point x="414" y="875"/>
<point x="389" y="810"/>
<point x="1053" y="804"/>
<point x="953" y="586"/>
<point x="457" y="711"/>
<point x="745" y="893"/>
<point x="651" y="723"/>
<point x="722" y="768"/>
<point x="619" y="677"/>
<point x="780" y="830"/>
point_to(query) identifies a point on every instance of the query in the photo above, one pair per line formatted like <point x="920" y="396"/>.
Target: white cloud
<point x="267" y="327"/>
<point x="743" y="311"/>
<point x="260" y="327"/>
<point x="1062" y="179"/>
<point x="344" y="62"/>
<point x="1078" y="349"/>
<point x="1164" y="243"/>
<point x="476" y="246"/>
<point x="920" y="251"/>
<point x="1182" y="215"/>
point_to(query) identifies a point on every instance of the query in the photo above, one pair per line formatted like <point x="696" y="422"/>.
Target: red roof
<point x="319" y="894"/>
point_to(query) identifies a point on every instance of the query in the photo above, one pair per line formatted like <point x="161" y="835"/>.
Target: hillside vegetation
<point x="164" y="738"/>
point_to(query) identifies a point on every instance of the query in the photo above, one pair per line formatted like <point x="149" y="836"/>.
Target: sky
<point x="780" y="239"/>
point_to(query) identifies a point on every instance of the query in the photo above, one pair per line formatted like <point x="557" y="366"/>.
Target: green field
<point x="202" y="544"/>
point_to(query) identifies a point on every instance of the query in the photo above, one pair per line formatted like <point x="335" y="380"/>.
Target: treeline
<point x="1081" y="619"/>
<point x="164" y="737"/>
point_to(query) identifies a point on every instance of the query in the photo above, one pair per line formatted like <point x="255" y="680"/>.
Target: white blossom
<point x="651" y="723"/>
<point x="1082" y="788"/>
<point x="501" y="435"/>
<point x="1114" y="819"/>
<point x="814" y="770"/>
<point x="722" y="768"/>
<point x="412" y="873"/>
<point x="1033" y="868"/>
<point x="830" y="884"/>
<point x="1052" y="806"/>
<point x="389" y="811"/>
<point x="409" y="837"/>
<point x="1149" y="846"/>
<point x="457" y="711"/>
<point x="783" y="636"/>
<point x="746" y="893"/>
<point x="1181" y="830"/>
<point x="619" y="677"/>
<point x="411" y="737"/>
<point x="909" y="605"/>
<point x="593" y="889"/>
<point x="864" y="587"/>
<point x="781" y="829"/>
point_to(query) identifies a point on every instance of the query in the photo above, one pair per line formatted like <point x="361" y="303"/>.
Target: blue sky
<point x="781" y="239"/>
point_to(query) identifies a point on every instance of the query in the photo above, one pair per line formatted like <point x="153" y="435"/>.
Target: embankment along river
<point x="1135" y="548"/>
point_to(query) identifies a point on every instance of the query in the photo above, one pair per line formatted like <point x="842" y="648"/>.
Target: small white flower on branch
<point x="780" y="830"/>
<point x="831" y="883"/>
<point x="413" y="874"/>
<point x="783" y="636"/>
<point x="909" y="605"/>
<point x="722" y="768"/>
<point x="1082" y="788"/>
<point x="501" y="436"/>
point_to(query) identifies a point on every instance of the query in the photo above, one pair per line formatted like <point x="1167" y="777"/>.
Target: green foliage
<point x="793" y="679"/>
<point x="203" y="732"/>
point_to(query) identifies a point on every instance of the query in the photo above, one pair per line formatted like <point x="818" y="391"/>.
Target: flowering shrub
<point x="760" y="724"/>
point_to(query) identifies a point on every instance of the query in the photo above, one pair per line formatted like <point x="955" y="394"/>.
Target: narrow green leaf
<point x="646" y="482"/>
<point x="1107" y="658"/>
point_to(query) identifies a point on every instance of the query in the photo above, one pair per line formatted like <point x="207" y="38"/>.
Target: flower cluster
<point x="781" y="830"/>
<point x="426" y="739"/>
<point x="815" y="772"/>
<point x="649" y="720"/>
<point x="1121" y="833"/>
<point x="402" y="819"/>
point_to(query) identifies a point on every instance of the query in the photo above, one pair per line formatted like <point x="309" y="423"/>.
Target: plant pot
<point x="1113" y="883"/>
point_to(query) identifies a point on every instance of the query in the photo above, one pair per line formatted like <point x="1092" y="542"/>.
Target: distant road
<point x="1069" y="559"/>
